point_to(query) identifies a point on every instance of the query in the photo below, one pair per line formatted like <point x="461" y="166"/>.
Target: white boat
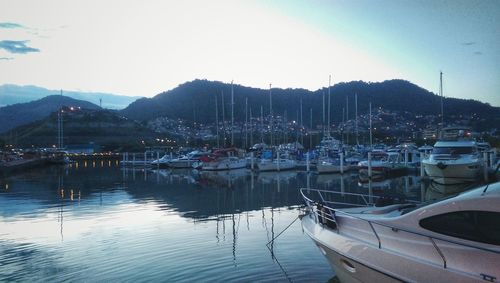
<point x="453" y="162"/>
<point x="224" y="163"/>
<point x="187" y="161"/>
<point x="454" y="240"/>
<point x="331" y="165"/>
<point x="222" y="159"/>
<point x="163" y="161"/>
<point x="280" y="164"/>
<point x="328" y="143"/>
<point x="382" y="163"/>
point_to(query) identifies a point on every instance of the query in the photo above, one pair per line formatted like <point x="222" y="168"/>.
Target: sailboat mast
<point x="232" y="114"/>
<point x="324" y="127"/>
<point x="217" y="121"/>
<point x="223" y="119"/>
<point x="347" y="117"/>
<point x="261" y="124"/>
<point x="301" y="123"/>
<point x="310" y="127"/>
<point x="356" y="110"/>
<point x="60" y="125"/>
<point x="246" y="122"/>
<point x="343" y="123"/>
<point x="371" y="141"/>
<point x="271" y="113"/>
<point x="441" y="94"/>
<point x="251" y="127"/>
<point x="329" y="83"/>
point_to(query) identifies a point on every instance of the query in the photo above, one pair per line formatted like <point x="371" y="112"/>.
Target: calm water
<point x="95" y="221"/>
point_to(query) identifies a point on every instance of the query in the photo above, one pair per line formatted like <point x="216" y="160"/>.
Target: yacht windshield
<point x="453" y="150"/>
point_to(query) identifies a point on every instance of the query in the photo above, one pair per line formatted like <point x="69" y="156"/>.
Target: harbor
<point x="246" y="219"/>
<point x="250" y="141"/>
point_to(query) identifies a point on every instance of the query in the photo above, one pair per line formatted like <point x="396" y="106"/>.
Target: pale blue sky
<point x="144" y="47"/>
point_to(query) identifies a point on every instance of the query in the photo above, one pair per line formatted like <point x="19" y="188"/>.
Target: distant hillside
<point x="195" y="101"/>
<point x="81" y="126"/>
<point x="23" y="113"/>
<point x="12" y="94"/>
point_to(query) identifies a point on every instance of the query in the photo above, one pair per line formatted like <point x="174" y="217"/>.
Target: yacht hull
<point x="359" y="259"/>
<point x="452" y="173"/>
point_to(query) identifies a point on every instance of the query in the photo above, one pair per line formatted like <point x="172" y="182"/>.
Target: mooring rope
<point x="272" y="240"/>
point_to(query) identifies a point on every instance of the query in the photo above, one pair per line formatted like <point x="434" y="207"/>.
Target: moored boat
<point x="382" y="163"/>
<point x="454" y="162"/>
<point x="454" y="240"/>
<point x="187" y="161"/>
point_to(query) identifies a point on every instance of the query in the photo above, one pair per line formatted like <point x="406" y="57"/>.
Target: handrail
<point x="439" y="251"/>
<point x="310" y="204"/>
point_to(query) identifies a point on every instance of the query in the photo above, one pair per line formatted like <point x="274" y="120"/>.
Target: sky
<point x="142" y="48"/>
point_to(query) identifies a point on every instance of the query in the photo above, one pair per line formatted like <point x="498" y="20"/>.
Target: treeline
<point x="196" y="100"/>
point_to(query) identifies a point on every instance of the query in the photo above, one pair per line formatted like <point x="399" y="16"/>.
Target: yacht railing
<point x="326" y="216"/>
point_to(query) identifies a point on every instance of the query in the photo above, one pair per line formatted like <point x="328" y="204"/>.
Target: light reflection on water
<point x="95" y="221"/>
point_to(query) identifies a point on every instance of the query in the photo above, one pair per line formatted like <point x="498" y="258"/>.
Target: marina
<point x="250" y="141"/>
<point x="170" y="224"/>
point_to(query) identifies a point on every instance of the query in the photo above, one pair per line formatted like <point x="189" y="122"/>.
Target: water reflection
<point x="96" y="221"/>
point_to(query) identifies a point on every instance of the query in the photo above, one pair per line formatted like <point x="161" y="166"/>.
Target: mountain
<point x="12" y="94"/>
<point x="195" y="101"/>
<point x="82" y="126"/>
<point x="23" y="113"/>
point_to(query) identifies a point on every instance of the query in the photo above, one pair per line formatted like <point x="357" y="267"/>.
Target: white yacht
<point x="454" y="240"/>
<point x="223" y="163"/>
<point x="163" y="161"/>
<point x="222" y="159"/>
<point x="187" y="161"/>
<point x="453" y="162"/>
<point x="382" y="163"/>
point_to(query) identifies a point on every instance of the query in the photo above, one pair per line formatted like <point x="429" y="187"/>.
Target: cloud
<point x="469" y="43"/>
<point x="17" y="46"/>
<point x="10" y="25"/>
<point x="478" y="53"/>
<point x="6" y="58"/>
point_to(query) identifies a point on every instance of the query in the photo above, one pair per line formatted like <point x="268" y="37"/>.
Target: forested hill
<point x="23" y="113"/>
<point x="196" y="101"/>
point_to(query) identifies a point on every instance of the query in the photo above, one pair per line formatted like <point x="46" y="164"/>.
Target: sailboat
<point x="329" y="146"/>
<point x="282" y="161"/>
<point x="58" y="155"/>
<point x="227" y="158"/>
